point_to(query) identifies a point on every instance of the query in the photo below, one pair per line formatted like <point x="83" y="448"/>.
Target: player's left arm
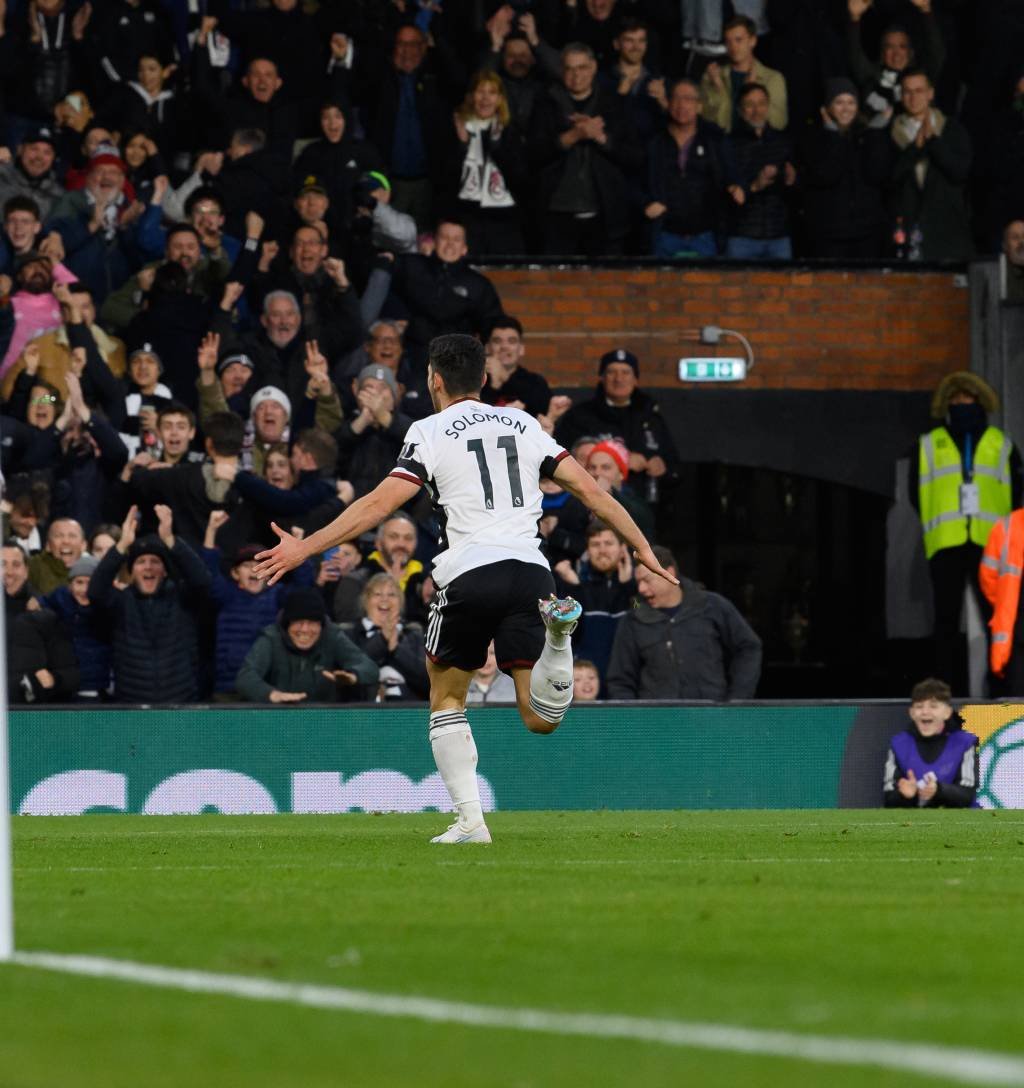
<point x="365" y="513"/>
<point x="571" y="475"/>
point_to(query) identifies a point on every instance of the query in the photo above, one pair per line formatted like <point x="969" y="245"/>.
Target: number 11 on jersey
<point x="508" y="444"/>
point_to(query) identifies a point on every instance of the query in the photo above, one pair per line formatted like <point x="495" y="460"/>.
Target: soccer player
<point x="482" y="468"/>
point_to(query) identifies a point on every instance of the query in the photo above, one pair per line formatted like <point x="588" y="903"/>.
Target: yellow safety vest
<point x="941" y="474"/>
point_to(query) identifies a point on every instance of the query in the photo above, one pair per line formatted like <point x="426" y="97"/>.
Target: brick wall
<point x="810" y="329"/>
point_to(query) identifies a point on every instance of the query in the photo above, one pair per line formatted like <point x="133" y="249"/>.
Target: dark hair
<point x="459" y="359"/>
<point x="749" y="88"/>
<point x="931" y="689"/>
<point x="225" y="430"/>
<point x="597" y="526"/>
<point x="21" y="203"/>
<point x="176" y="408"/>
<point x="505" y="321"/>
<point x="683" y="80"/>
<point x="181" y="228"/>
<point x="908" y="72"/>
<point x="107" y="529"/>
<point x="204" y="192"/>
<point x="629" y="24"/>
<point x="320" y="446"/>
<point x="744" y="21"/>
<point x="665" y="557"/>
<point x="79" y="288"/>
<point x="253" y="139"/>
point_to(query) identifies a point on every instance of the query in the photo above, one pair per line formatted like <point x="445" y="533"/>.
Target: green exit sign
<point x="712" y="370"/>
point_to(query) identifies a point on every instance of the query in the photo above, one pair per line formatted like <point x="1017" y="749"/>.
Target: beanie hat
<point x="147" y="545"/>
<point x="237" y="357"/>
<point x="839" y="85"/>
<point x="83" y="567"/>
<point x="270" y="392"/>
<point x="147" y="349"/>
<point x="304" y="603"/>
<point x="616" y="450"/>
<point x="619" y="355"/>
<point x="382" y="374"/>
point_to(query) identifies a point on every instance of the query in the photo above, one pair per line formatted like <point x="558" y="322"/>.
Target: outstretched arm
<point x="365" y="513"/>
<point x="571" y="475"/>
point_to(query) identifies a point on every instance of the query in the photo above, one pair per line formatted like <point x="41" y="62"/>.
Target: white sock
<point x="551" y="678"/>
<point x="455" y="755"/>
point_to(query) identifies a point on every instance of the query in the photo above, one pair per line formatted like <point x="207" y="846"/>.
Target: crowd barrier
<point x="243" y="760"/>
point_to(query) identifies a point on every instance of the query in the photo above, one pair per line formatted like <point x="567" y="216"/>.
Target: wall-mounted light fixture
<point x="715" y="368"/>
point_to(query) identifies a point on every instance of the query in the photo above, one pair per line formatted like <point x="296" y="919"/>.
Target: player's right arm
<point x="365" y="513"/>
<point x="571" y="475"/>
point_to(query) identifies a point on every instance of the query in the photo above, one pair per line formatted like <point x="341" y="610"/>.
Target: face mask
<point x="966" y="418"/>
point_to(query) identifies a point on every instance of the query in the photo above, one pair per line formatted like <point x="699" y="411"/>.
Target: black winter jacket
<point x="693" y="200"/>
<point x="156" y="646"/>
<point x="707" y="650"/>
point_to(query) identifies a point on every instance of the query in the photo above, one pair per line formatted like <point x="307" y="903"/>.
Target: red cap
<point x="107" y="159"/>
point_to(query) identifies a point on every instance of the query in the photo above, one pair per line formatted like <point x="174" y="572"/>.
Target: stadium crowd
<point x="231" y="231"/>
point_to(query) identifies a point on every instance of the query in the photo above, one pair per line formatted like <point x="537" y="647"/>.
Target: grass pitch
<point x="896" y="925"/>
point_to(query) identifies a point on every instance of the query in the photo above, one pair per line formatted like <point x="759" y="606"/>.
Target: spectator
<point x="604" y="585"/>
<point x="53" y="356"/>
<point x="683" y="642"/>
<point x="147" y="396"/>
<point x="338" y="157"/>
<point x="103" y="538"/>
<point x="21" y="235"/>
<point x="595" y="24"/>
<point x="23" y="510"/>
<point x="608" y="464"/>
<point x="31" y="172"/>
<point x="934" y="762"/>
<point x="965" y="475"/>
<point x="258" y="105"/>
<point x="759" y="171"/>
<point x="586" y="681"/>
<point x="124" y="31"/>
<point x="490" y="685"/>
<point x="930" y="174"/>
<point x="65" y="543"/>
<point x="721" y="87"/>
<point x="407" y="118"/>
<point x="508" y="383"/>
<point x="148" y="105"/>
<point x="303" y="657"/>
<point x="620" y="408"/>
<point x="341" y="578"/>
<point x="36" y="309"/>
<point x="641" y="92"/>
<point x="384" y="347"/>
<point x="395" y="555"/>
<point x="245" y="605"/>
<point x="880" y="83"/>
<point x="147" y="171"/>
<point x="584" y="152"/>
<point x="391" y="231"/>
<point x="97" y="225"/>
<point x="522" y="61"/>
<point x="844" y="168"/>
<point x="395" y="648"/>
<point x="370" y="441"/>
<point x="1013" y="251"/>
<point x="88" y="628"/>
<point x="253" y="178"/>
<point x="492" y="170"/>
<point x="156" y="648"/>
<point x="442" y="294"/>
<point x="685" y="179"/>
<point x="40" y="660"/>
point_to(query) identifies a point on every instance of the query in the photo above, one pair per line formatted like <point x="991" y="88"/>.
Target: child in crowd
<point x="586" y="681"/>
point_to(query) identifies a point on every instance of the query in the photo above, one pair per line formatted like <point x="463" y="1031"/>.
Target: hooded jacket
<point x="275" y="664"/>
<point x="706" y="650"/>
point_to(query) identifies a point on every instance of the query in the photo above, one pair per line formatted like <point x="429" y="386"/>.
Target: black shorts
<point x="497" y="601"/>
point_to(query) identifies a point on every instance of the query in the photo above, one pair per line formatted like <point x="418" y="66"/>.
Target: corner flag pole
<point x="6" y="877"/>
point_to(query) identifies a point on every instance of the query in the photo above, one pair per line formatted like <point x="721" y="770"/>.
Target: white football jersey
<point x="481" y="467"/>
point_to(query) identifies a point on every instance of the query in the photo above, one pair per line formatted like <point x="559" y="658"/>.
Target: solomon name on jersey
<point x="482" y="468"/>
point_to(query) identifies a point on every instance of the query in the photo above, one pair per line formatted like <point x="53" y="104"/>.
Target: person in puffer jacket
<point x="156" y="645"/>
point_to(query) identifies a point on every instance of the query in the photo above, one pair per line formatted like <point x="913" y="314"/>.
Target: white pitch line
<point x="967" y="1066"/>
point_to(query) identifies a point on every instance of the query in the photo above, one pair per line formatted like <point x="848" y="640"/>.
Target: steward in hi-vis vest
<point x="964" y="476"/>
